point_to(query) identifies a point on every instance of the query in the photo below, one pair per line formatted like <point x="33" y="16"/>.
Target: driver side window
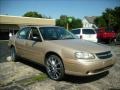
<point x="34" y="35"/>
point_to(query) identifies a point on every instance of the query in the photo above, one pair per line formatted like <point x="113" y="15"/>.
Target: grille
<point x="104" y="55"/>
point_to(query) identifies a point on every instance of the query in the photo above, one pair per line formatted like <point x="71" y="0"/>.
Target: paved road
<point x="4" y="51"/>
<point x="15" y="76"/>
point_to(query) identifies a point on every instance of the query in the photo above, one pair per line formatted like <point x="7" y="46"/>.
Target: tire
<point x="13" y="54"/>
<point x="54" y="67"/>
<point x="99" y="40"/>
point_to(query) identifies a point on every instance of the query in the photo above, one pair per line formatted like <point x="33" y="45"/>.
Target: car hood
<point x="82" y="45"/>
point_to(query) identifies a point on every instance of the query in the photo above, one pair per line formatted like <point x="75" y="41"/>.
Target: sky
<point x="55" y="8"/>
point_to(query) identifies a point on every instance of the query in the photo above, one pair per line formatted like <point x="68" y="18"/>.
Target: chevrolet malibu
<point x="60" y="51"/>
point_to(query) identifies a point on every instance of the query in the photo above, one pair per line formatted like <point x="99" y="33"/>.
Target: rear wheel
<point x="54" y="67"/>
<point x="13" y="54"/>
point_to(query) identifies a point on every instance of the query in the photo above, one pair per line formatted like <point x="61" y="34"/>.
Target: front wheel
<point x="54" y="67"/>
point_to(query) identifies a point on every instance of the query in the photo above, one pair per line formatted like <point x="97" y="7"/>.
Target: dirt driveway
<point x="24" y="75"/>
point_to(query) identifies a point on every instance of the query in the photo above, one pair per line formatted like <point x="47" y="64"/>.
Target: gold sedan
<point x="60" y="51"/>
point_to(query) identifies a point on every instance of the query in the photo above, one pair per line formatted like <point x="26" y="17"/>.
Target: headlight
<point x="84" y="55"/>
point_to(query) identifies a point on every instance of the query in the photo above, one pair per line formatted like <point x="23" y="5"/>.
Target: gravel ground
<point x="17" y="76"/>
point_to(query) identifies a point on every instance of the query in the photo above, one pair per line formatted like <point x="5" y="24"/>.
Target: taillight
<point x="80" y="36"/>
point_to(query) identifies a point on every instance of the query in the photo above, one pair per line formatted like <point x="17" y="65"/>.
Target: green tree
<point x="110" y="18"/>
<point x="100" y="22"/>
<point x="32" y="14"/>
<point x="116" y="24"/>
<point x="76" y="23"/>
<point x="63" y="20"/>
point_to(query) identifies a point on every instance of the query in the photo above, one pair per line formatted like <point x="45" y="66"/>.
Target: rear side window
<point x="88" y="31"/>
<point x="77" y="31"/>
<point x="23" y="34"/>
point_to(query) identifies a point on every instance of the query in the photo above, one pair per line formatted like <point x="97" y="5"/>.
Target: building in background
<point x="11" y="24"/>
<point x="88" y="22"/>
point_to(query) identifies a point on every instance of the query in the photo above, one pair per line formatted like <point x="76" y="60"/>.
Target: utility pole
<point x="69" y="20"/>
<point x="67" y="26"/>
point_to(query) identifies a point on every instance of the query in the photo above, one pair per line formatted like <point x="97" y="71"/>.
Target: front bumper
<point x="86" y="68"/>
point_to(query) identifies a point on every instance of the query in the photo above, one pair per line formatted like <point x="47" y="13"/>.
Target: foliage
<point x="100" y="22"/>
<point x="76" y="23"/>
<point x="32" y="14"/>
<point x="63" y="20"/>
<point x="35" y="14"/>
<point x="37" y="78"/>
<point x="110" y="18"/>
<point x="40" y="77"/>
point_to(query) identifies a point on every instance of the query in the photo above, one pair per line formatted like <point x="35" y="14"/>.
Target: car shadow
<point x="67" y="78"/>
<point x="32" y="64"/>
<point x="85" y="79"/>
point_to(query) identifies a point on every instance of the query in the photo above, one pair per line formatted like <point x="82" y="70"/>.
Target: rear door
<point x="20" y="42"/>
<point x="89" y="34"/>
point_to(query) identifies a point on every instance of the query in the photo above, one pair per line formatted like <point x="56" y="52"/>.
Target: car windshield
<point x="55" y="33"/>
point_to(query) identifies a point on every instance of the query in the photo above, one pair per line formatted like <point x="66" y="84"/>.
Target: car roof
<point x="82" y="28"/>
<point x="39" y="26"/>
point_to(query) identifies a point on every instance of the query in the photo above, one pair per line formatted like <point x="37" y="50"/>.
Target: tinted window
<point x="34" y="33"/>
<point x="77" y="31"/>
<point x="55" y="33"/>
<point x="88" y="31"/>
<point x="23" y="33"/>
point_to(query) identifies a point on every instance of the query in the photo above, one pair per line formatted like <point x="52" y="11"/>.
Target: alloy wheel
<point x="54" y="67"/>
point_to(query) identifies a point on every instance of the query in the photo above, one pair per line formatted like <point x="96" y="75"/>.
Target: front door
<point x="34" y="45"/>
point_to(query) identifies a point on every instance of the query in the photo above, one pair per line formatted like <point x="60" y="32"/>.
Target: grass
<point x="29" y="81"/>
<point x="39" y="77"/>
